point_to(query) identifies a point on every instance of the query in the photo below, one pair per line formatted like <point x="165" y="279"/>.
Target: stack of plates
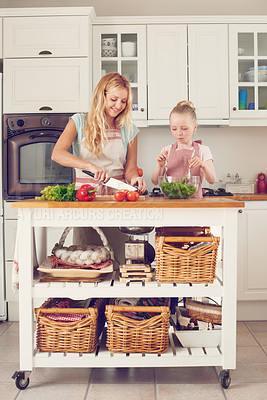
<point x="262" y="74"/>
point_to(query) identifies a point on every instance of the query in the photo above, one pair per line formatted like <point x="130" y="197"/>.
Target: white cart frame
<point x="205" y="213"/>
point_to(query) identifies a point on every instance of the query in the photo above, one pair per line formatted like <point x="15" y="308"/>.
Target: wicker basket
<point x="176" y="264"/>
<point x="204" y="311"/>
<point x="127" y="335"/>
<point x="74" y="337"/>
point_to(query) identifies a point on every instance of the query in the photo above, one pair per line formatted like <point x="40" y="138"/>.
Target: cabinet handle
<point x="234" y="108"/>
<point x="45" y="108"/>
<point x="44" y="52"/>
<point x="142" y="109"/>
<point x="240" y="211"/>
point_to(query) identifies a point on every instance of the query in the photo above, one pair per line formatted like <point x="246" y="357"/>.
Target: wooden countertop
<point x="250" y="196"/>
<point x="143" y="202"/>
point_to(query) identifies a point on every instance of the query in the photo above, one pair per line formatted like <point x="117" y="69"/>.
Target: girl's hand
<point x="195" y="162"/>
<point x="162" y="158"/>
<point x="140" y="183"/>
<point x="100" y="174"/>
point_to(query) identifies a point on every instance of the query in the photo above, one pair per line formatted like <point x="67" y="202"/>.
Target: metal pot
<point x="136" y="230"/>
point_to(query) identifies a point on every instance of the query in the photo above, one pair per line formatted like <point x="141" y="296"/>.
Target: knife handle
<point x="88" y="173"/>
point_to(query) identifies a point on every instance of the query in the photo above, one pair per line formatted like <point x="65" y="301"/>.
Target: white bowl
<point x="108" y="42"/>
<point x="128" y="49"/>
<point x="108" y="53"/>
<point x="193" y="338"/>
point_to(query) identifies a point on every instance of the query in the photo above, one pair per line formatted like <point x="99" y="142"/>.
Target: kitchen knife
<point x="113" y="183"/>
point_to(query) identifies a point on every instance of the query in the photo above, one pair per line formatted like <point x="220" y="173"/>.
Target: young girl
<point x="104" y="142"/>
<point x="104" y="139"/>
<point x="185" y="154"/>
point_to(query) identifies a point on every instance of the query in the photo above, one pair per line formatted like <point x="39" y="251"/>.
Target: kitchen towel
<point x="15" y="268"/>
<point x="126" y="301"/>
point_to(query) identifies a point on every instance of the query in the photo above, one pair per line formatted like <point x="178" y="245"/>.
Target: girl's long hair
<point x="95" y="120"/>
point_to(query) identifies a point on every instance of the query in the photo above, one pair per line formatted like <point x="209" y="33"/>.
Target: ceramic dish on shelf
<point x="192" y="338"/>
<point x="45" y="267"/>
<point x="262" y="74"/>
<point x="109" y="52"/>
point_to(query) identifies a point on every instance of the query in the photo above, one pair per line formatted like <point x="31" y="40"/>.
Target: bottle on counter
<point x="261" y="183"/>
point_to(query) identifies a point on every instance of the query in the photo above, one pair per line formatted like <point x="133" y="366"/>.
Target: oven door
<point x="29" y="164"/>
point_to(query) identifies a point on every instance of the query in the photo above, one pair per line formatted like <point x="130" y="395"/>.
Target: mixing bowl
<point x="177" y="187"/>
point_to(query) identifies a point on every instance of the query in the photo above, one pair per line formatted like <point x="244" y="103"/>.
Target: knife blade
<point x="112" y="182"/>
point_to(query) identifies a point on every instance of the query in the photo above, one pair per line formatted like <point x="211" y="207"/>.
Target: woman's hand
<point x="101" y="175"/>
<point x="140" y="183"/>
<point x="162" y="157"/>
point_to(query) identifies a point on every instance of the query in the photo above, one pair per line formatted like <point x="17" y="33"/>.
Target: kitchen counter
<point x="143" y="202"/>
<point x="250" y="196"/>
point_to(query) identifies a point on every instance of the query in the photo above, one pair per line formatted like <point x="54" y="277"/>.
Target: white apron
<point x="112" y="160"/>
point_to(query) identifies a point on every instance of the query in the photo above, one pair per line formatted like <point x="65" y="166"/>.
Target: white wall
<point x="242" y="150"/>
<point x="152" y="7"/>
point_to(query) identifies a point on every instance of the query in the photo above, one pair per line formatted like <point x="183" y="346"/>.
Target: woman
<point x="104" y="142"/>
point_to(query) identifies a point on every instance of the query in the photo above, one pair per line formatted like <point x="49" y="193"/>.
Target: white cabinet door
<point x="10" y="238"/>
<point x="54" y="36"/>
<point x="208" y="70"/>
<point x="252" y="260"/>
<point x="248" y="89"/>
<point x="54" y="85"/>
<point x="167" y="69"/>
<point x="122" y="48"/>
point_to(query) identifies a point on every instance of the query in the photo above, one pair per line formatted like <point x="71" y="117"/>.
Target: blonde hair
<point x="95" y="120"/>
<point x="185" y="107"/>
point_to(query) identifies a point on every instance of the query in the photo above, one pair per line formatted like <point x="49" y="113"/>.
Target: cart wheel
<point x="22" y="383"/>
<point x="225" y="378"/>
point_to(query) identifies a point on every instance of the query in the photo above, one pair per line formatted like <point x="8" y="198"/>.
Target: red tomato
<point x="140" y="171"/>
<point x="133" y="196"/>
<point x="120" y="195"/>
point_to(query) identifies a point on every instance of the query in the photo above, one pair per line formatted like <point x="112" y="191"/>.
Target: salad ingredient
<point x="121" y="195"/>
<point x="58" y="193"/>
<point x="133" y="196"/>
<point x="140" y="171"/>
<point x="86" y="193"/>
<point x="177" y="190"/>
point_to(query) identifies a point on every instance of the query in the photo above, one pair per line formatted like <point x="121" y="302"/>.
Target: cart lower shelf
<point x="174" y="357"/>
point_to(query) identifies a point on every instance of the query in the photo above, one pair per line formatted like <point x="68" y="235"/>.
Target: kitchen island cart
<point x="103" y="212"/>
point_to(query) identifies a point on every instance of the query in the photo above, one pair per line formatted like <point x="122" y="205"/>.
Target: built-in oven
<point x="27" y="147"/>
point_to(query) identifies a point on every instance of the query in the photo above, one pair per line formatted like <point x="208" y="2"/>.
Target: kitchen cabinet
<point x="212" y="212"/>
<point x="50" y="85"/>
<point x="252" y="261"/>
<point x="248" y="89"/>
<point x="1" y="38"/>
<point x="46" y="36"/>
<point x="188" y="62"/>
<point x="122" y="48"/>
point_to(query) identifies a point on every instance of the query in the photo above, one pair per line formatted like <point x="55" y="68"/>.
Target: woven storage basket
<point x="204" y="311"/>
<point x="175" y="264"/>
<point x="74" y="337"/>
<point x="127" y="335"/>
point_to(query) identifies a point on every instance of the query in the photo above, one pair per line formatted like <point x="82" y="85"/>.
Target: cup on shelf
<point x="251" y="106"/>
<point x="109" y="42"/>
<point x="243" y="99"/>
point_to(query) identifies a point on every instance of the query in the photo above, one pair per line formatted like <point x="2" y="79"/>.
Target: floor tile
<point x="7" y="370"/>
<point x="261" y="337"/>
<point x="9" y="339"/>
<point x="121" y="392"/>
<point x="42" y="391"/>
<point x="8" y="391"/>
<point x="59" y="375"/>
<point x="250" y="373"/>
<point x="245" y="339"/>
<point x="186" y="375"/>
<point x="257" y="326"/>
<point x="4" y="326"/>
<point x="122" y="375"/>
<point x="9" y="354"/>
<point x="192" y="392"/>
<point x="241" y="327"/>
<point x="250" y="355"/>
<point x="251" y="391"/>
